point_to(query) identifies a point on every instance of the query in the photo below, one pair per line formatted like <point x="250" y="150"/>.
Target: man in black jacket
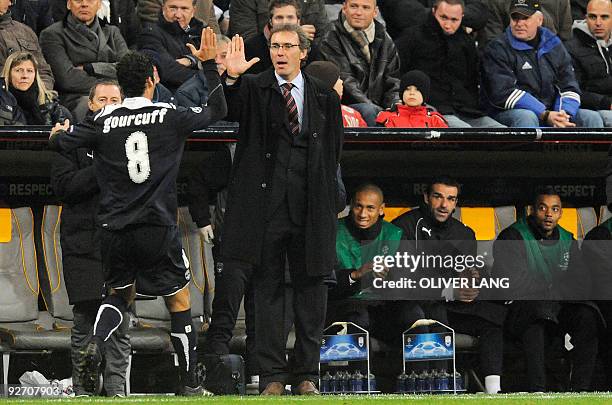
<point x="538" y="257"/>
<point x="10" y="113"/>
<point x="441" y="48"/>
<point x="282" y="201"/>
<point x="74" y="183"/>
<point x="176" y="27"/>
<point x="435" y="232"/>
<point x="590" y="51"/>
<point x="367" y="58"/>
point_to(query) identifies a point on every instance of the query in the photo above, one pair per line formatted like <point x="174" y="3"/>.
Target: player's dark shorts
<point x="152" y="256"/>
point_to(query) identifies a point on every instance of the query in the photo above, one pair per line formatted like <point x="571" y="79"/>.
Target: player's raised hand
<point x="208" y="46"/>
<point x="235" y="61"/>
<point x="60" y="127"/>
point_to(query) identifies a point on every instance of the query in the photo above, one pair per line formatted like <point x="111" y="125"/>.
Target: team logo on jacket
<point x="526" y="66"/>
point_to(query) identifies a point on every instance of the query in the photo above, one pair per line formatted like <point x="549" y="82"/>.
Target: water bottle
<point x="444" y="381"/>
<point x="459" y="381"/>
<point x="326" y="382"/>
<point x="400" y="386"/>
<point x="411" y="383"/>
<point x="372" y="382"/>
<point x="357" y="382"/>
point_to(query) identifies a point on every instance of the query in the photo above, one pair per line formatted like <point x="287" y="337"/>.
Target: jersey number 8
<point x="137" y="152"/>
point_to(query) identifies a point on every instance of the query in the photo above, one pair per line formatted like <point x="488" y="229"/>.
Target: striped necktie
<point x="292" y="111"/>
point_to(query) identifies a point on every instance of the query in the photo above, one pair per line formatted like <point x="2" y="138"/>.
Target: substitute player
<point x="138" y="147"/>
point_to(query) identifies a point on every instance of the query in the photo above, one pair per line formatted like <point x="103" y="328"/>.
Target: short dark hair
<point x="303" y="39"/>
<point x="450" y="2"/>
<point x="133" y="70"/>
<point x="368" y="187"/>
<point x="447" y="181"/>
<point x="283" y="3"/>
<point x="543" y="190"/>
<point x="104" y="82"/>
<point x="193" y="2"/>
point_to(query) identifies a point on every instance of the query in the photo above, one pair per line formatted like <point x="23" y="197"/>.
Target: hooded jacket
<point x="518" y="76"/>
<point x="404" y="116"/>
<point x="593" y="67"/>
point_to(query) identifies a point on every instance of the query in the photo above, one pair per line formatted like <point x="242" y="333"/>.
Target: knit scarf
<point x="28" y="102"/>
<point x="363" y="38"/>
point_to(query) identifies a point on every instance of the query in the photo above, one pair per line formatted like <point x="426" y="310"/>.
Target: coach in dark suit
<point x="282" y="201"/>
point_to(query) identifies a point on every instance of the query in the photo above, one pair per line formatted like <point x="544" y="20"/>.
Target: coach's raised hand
<point x="235" y="61"/>
<point x="208" y="46"/>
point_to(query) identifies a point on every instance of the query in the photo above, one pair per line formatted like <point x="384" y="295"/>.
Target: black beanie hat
<point x="418" y="79"/>
<point x="325" y="71"/>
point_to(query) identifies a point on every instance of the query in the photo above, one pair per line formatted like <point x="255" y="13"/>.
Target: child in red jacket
<point x="412" y="113"/>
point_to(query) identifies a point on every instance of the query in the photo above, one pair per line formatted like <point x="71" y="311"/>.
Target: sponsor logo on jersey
<point x="153" y="117"/>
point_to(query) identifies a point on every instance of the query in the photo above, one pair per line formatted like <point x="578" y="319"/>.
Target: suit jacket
<point x="67" y="44"/>
<point x="257" y="103"/>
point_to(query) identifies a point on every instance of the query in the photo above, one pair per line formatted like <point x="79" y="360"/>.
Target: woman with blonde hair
<point x="38" y="104"/>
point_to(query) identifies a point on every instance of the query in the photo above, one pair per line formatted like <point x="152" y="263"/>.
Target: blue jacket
<point x="517" y="76"/>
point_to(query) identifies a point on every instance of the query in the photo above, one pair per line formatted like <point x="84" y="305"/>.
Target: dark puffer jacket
<point x="376" y="82"/>
<point x="450" y="61"/>
<point x="168" y="41"/>
<point x="593" y="67"/>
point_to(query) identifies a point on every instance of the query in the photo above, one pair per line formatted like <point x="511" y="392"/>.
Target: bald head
<point x="598" y="18"/>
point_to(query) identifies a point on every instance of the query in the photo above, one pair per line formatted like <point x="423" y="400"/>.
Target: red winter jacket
<point x="411" y="117"/>
<point x="352" y="118"/>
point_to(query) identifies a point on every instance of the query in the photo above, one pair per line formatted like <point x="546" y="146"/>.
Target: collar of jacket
<point x="431" y="221"/>
<point x="580" y="30"/>
<point x="548" y="41"/>
<point x="6" y="18"/>
<point x="174" y="28"/>
<point x="361" y="235"/>
<point x="406" y="109"/>
<point x="531" y="222"/>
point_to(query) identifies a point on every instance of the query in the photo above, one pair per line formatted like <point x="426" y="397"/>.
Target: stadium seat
<point x="393" y="212"/>
<point x="22" y="327"/>
<point x="604" y="214"/>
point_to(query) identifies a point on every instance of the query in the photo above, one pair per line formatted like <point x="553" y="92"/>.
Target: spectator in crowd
<point x="176" y="27"/>
<point x="34" y="14"/>
<point x="148" y="11"/>
<point x="250" y="17"/>
<point x="440" y="47"/>
<point x="39" y="105"/>
<point x="10" y="113"/>
<point x="412" y="112"/>
<point x="15" y="36"/>
<point x="328" y="73"/>
<point x="590" y="51"/>
<point x="435" y="232"/>
<point x="120" y="13"/>
<point x="74" y="183"/>
<point x="296" y="187"/>
<point x="579" y="9"/>
<point x="536" y="255"/>
<point x="403" y="14"/>
<point x="556" y="15"/>
<point x="362" y="235"/>
<point x="528" y="79"/>
<point x="194" y="92"/>
<point x="80" y="50"/>
<point x="281" y="12"/>
<point x="367" y="58"/>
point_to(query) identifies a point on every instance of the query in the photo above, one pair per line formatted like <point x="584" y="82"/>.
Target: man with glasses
<point x="441" y="48"/>
<point x="367" y="58"/>
<point x="528" y="79"/>
<point x="282" y="203"/>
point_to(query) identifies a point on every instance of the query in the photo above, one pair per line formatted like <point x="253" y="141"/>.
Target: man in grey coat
<point x="80" y="50"/>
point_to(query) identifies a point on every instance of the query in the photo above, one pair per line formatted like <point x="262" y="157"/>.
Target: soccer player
<point x="138" y="147"/>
